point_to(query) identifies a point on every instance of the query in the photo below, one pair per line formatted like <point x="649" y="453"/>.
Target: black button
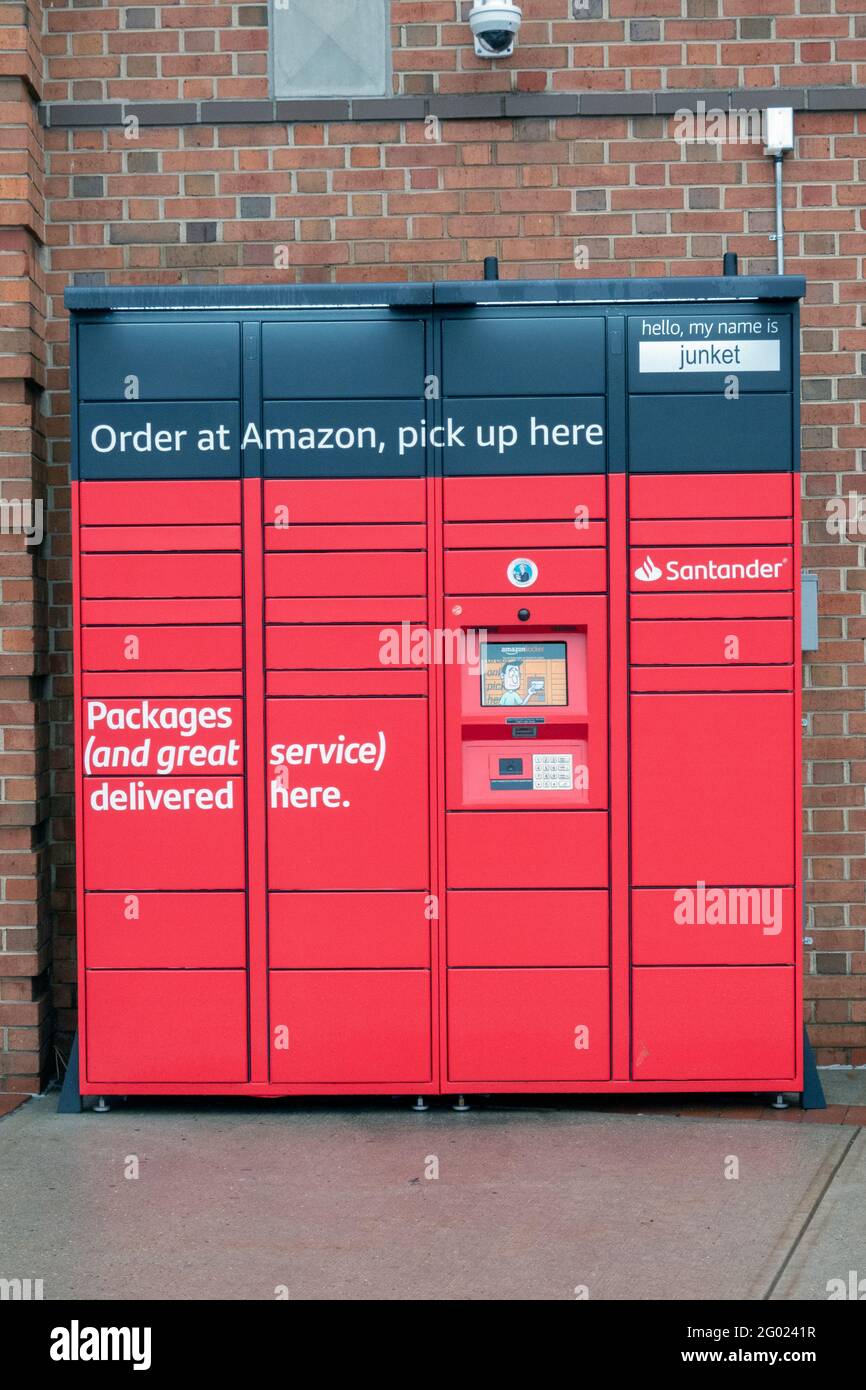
<point x="523" y="615"/>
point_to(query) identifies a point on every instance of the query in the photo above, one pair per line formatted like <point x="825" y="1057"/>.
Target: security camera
<point x="494" y="28"/>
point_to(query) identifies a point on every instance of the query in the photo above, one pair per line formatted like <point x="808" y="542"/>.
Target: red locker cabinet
<point x="714" y="725"/>
<point x="438" y="741"/>
<point x="162" y="750"/>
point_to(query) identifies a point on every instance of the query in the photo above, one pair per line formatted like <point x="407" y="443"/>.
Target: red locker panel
<point x="535" y="498"/>
<point x="526" y="849"/>
<point x="717" y="679"/>
<point x="526" y="927"/>
<point x="348" y="794"/>
<point x="166" y="1026"/>
<point x="145" y="648"/>
<point x="203" y="738"/>
<point x="713" y="789"/>
<point x="173" y="684"/>
<point x="724" y="605"/>
<point x="711" y="495"/>
<point x="160" y="576"/>
<point x="559" y="571"/>
<point x="350" y="1026"/>
<point x="342" y="646"/>
<point x="517" y="535"/>
<point x="729" y="531"/>
<point x="184" y="931"/>
<point x="171" y="502"/>
<point x="348" y="930"/>
<point x="346" y="572"/>
<point x="703" y="925"/>
<point x="384" y="611"/>
<point x="198" y="736"/>
<point x="717" y="642"/>
<point x="528" y="1025"/>
<point x="343" y="537"/>
<point x="163" y="832"/>
<point x="312" y="501"/>
<point x="156" y="611"/>
<point x="480" y="613"/>
<point x="101" y="539"/>
<point x="710" y="1023"/>
<point x="387" y="680"/>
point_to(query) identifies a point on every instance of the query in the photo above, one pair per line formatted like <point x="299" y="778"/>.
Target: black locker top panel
<point x="505" y="377"/>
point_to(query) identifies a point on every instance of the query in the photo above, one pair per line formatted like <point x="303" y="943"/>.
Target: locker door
<point x="713" y="789"/>
<point x="350" y="1027"/>
<point x="528" y="1025"/>
<point x="348" y="794"/>
<point x="166" y="1026"/>
<point x="163" y="833"/>
<point x="711" y="1024"/>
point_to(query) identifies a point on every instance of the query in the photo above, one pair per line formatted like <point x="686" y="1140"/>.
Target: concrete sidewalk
<point x="335" y="1202"/>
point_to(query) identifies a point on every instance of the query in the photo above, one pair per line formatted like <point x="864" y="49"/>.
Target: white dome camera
<point x="494" y="28"/>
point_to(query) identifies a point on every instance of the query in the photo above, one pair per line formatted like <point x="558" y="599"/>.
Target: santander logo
<point x="700" y="571"/>
<point x="648" y="572"/>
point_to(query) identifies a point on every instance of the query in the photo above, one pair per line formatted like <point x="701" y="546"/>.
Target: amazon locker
<point x="437" y="687"/>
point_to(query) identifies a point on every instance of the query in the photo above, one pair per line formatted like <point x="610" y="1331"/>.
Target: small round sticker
<point x="522" y="573"/>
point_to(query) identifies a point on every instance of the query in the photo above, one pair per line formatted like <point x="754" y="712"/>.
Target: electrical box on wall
<point x="438" y="740"/>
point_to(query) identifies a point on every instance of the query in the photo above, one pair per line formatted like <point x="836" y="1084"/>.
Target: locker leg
<point x="780" y="1103"/>
<point x="812" y="1097"/>
<point x="460" y="1105"/>
<point x="70" y="1097"/>
<point x="420" y="1104"/>
<point x="101" y="1107"/>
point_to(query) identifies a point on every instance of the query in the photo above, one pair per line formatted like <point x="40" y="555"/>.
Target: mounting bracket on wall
<point x="778" y="141"/>
<point x="70" y="1102"/>
<point x="812" y="1095"/>
<point x="809" y="612"/>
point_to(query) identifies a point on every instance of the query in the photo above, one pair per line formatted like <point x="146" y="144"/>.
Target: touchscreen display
<point x="524" y="673"/>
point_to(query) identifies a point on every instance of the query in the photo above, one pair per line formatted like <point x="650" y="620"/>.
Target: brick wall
<point x="189" y="200"/>
<point x="166" y="52"/>
<point x="24" y="806"/>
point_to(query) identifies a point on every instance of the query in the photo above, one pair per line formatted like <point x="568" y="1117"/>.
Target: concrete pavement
<point x="342" y="1201"/>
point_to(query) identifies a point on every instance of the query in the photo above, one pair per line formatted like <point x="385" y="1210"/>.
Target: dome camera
<point x="494" y="27"/>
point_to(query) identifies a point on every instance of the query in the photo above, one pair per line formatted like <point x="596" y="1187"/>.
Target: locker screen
<point x="524" y="673"/>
